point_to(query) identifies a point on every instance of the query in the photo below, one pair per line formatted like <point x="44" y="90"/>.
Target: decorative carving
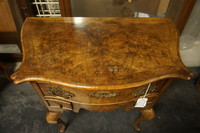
<point x="101" y="94"/>
<point x="141" y="92"/>
<point x="60" y="92"/>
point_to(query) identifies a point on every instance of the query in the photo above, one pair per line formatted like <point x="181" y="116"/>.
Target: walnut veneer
<point x="99" y="64"/>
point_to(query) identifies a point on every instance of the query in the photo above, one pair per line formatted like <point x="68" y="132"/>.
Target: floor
<point x="178" y="111"/>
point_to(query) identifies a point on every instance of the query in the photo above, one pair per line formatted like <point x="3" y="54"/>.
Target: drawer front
<point x="154" y="89"/>
<point x="98" y="96"/>
<point x="53" y="103"/>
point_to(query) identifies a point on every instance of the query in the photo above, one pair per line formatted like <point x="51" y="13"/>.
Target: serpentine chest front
<point x="99" y="64"/>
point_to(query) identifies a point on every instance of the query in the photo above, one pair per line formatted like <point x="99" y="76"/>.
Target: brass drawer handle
<point x="101" y="94"/>
<point x="60" y="92"/>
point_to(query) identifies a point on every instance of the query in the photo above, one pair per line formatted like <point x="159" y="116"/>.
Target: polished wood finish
<point x="83" y="99"/>
<point x="99" y="64"/>
<point x="112" y="96"/>
<point x="116" y="51"/>
<point x="178" y="10"/>
<point x="146" y="114"/>
<point x="53" y="118"/>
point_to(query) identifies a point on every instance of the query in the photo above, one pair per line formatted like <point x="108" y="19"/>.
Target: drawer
<point x="54" y="103"/>
<point x="155" y="88"/>
<point x="109" y="107"/>
<point x="98" y="96"/>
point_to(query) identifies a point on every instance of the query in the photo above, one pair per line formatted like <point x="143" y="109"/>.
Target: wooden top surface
<point x="100" y="52"/>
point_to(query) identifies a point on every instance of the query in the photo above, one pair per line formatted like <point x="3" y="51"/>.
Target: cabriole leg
<point x="54" y="118"/>
<point x="146" y="114"/>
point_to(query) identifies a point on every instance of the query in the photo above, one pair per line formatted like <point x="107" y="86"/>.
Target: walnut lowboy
<point x="99" y="64"/>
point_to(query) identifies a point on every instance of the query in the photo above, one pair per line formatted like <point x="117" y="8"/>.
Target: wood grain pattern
<point x="100" y="52"/>
<point x="83" y="96"/>
<point x="99" y="64"/>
